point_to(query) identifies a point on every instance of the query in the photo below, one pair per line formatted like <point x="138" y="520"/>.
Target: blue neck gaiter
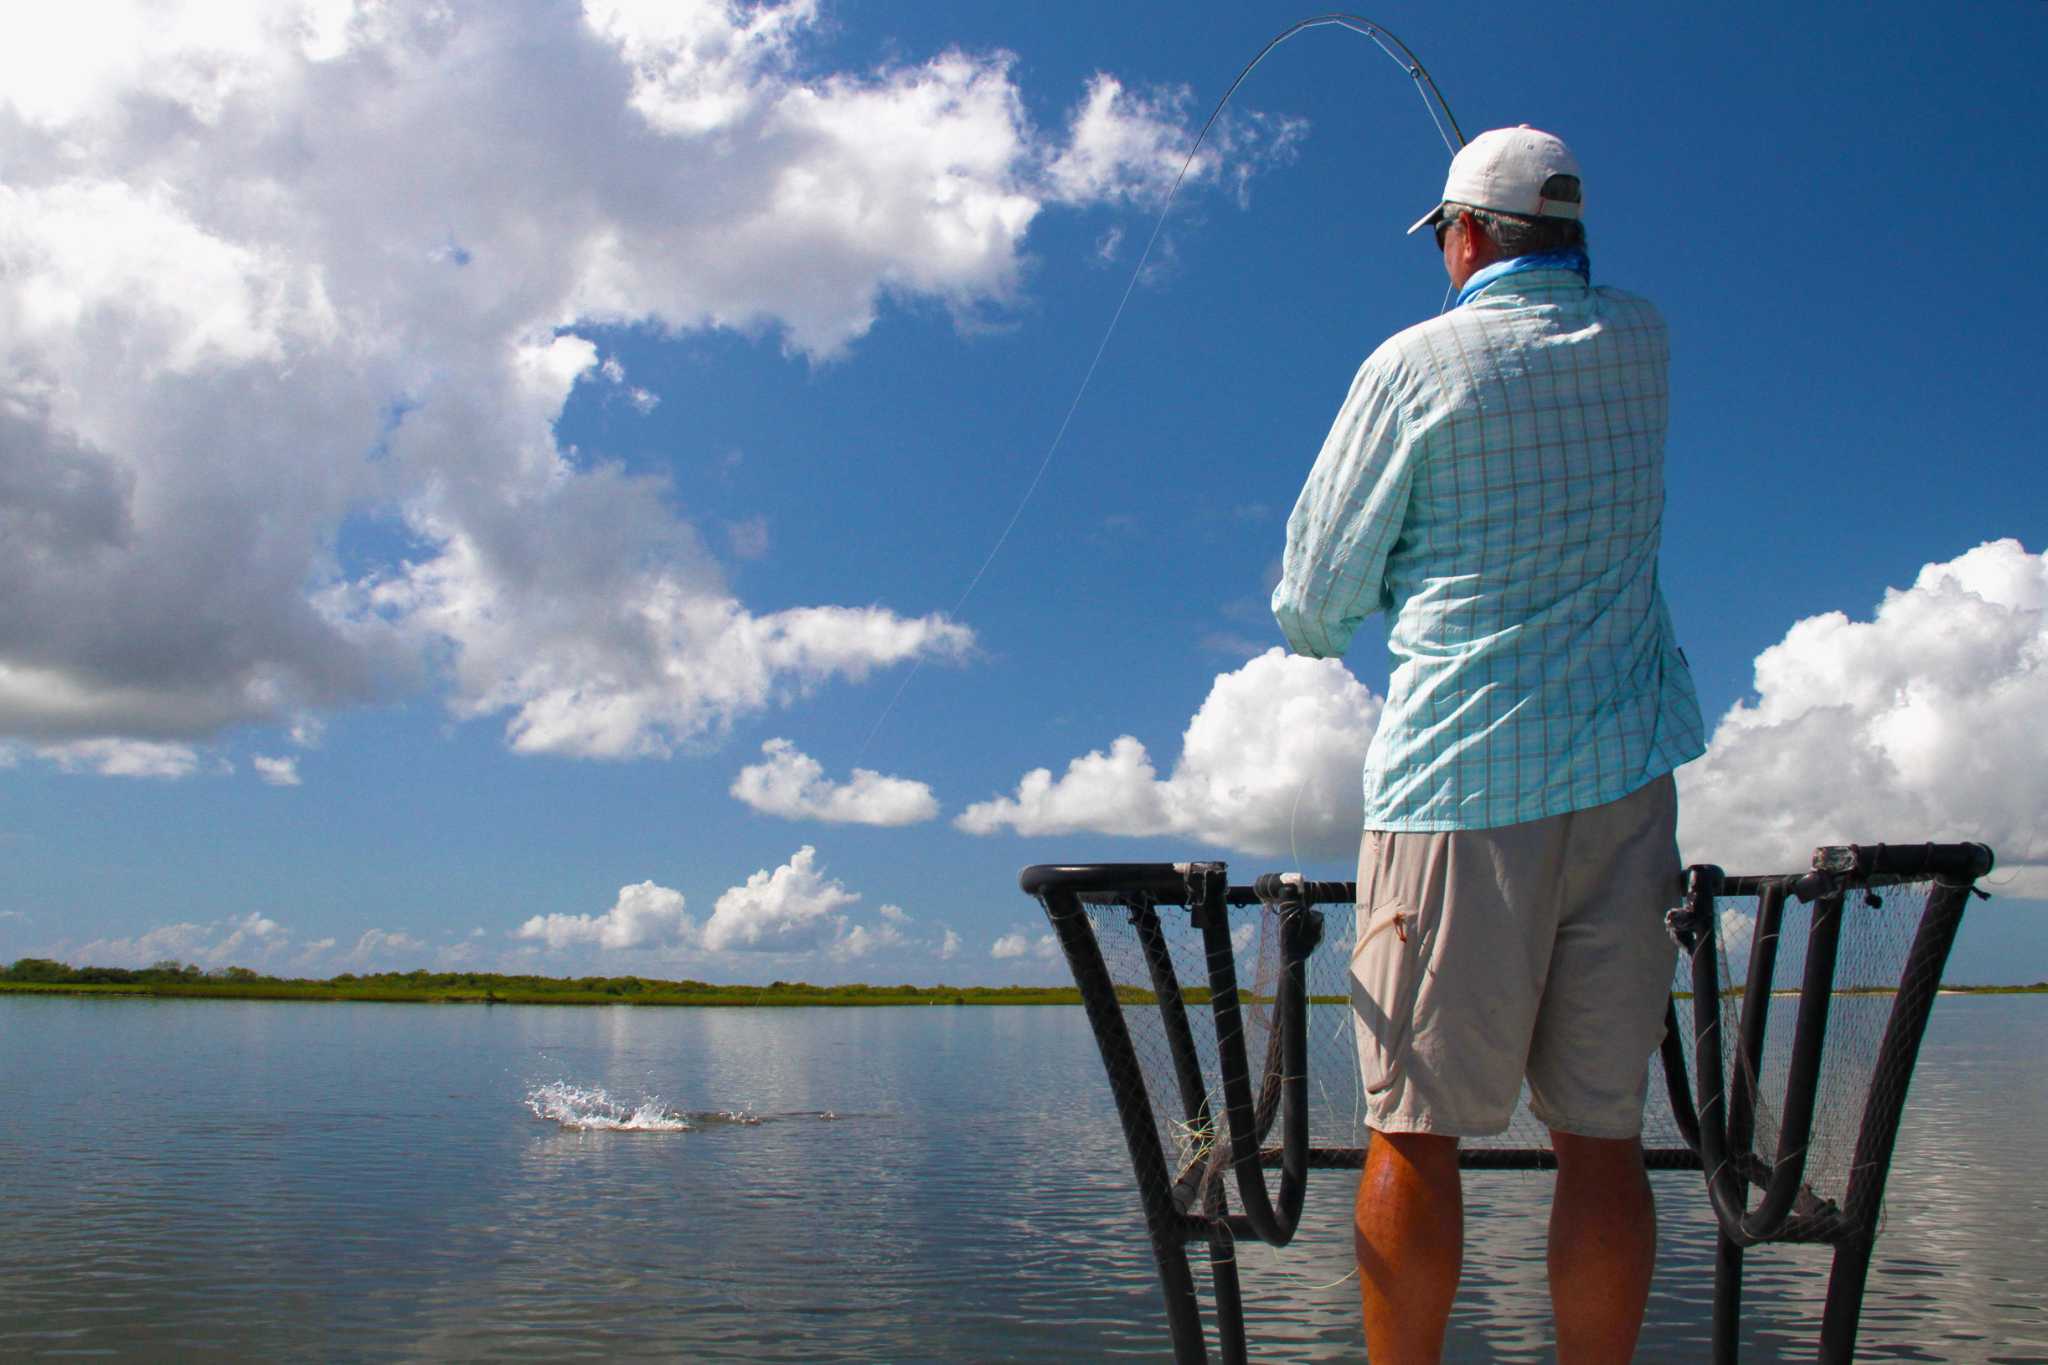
<point x="1572" y="259"/>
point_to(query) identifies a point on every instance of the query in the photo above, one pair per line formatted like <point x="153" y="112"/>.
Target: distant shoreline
<point x="478" y="988"/>
<point x="400" y="991"/>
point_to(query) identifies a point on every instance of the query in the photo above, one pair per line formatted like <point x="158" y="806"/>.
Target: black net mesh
<point x="1337" y="1116"/>
<point x="1877" y="931"/>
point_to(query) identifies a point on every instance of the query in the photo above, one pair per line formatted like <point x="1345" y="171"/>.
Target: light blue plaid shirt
<point x="1495" y="483"/>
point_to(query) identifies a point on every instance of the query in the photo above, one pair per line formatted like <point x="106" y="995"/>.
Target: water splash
<point x="584" y="1109"/>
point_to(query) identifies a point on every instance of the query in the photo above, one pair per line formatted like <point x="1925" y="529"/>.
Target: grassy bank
<point x="177" y="981"/>
<point x="488" y="988"/>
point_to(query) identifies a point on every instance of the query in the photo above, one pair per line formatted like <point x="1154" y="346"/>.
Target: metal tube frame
<point x="1719" y="1129"/>
<point x="1727" y="1112"/>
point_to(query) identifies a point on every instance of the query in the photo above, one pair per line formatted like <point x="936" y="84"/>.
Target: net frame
<point x="1190" y="1169"/>
<point x="1788" y="1208"/>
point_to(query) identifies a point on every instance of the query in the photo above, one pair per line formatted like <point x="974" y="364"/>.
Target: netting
<point x="1877" y="931"/>
<point x="1189" y="1132"/>
<point x="1812" y="1009"/>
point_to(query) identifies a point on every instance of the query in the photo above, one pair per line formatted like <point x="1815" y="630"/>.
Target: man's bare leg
<point x="1603" y="1244"/>
<point x="1409" y="1235"/>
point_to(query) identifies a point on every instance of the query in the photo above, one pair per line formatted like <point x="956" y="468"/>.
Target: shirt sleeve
<point x="1347" y="519"/>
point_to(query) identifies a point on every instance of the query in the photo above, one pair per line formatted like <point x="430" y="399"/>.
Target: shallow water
<point x="381" y="1181"/>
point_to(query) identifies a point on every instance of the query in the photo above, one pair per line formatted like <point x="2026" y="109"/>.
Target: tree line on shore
<point x="171" y="977"/>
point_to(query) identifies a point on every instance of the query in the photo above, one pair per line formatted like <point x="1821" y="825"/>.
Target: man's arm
<point x="1347" y="519"/>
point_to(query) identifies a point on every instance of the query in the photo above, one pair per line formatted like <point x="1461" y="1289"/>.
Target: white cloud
<point x="795" y="908"/>
<point x="859" y="941"/>
<point x="252" y="933"/>
<point x="1923" y="722"/>
<point x="248" y="940"/>
<point x="278" y="772"/>
<point x="1270" y="762"/>
<point x="895" y="914"/>
<point x="643" y="916"/>
<point x="376" y="943"/>
<point x="949" y="946"/>
<point x="1045" y="947"/>
<point x="278" y="270"/>
<point x="123" y="758"/>
<point x="793" y="785"/>
<point x="182" y="941"/>
<point x="1128" y="147"/>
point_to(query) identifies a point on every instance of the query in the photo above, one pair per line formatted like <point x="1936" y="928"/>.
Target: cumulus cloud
<point x="295" y="293"/>
<point x="1010" y="946"/>
<point x="860" y="940"/>
<point x="123" y="758"/>
<point x="377" y="947"/>
<point x="1127" y="146"/>
<point x="248" y="940"/>
<point x="795" y="908"/>
<point x="643" y="916"/>
<point x="1922" y="722"/>
<point x="1270" y="761"/>
<point x="278" y="772"/>
<point x="793" y="785"/>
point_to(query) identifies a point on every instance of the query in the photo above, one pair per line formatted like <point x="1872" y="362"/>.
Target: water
<point x="390" y="1181"/>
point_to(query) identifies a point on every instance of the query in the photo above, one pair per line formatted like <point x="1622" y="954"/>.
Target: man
<point x="1494" y="483"/>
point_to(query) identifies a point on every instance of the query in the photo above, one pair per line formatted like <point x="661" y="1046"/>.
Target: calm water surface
<point x="371" y="1181"/>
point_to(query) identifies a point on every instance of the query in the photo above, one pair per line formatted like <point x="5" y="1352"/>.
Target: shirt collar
<point x="1572" y="259"/>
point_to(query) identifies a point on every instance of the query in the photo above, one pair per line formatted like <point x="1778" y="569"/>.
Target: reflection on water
<point x="220" y="1177"/>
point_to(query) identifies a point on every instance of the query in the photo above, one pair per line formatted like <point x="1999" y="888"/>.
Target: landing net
<point x="1878" y="926"/>
<point x="1337" y="1114"/>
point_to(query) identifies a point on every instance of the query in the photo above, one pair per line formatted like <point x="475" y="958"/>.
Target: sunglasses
<point x="1443" y="225"/>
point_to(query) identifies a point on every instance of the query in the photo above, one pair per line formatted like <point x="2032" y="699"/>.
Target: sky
<point x="543" y="486"/>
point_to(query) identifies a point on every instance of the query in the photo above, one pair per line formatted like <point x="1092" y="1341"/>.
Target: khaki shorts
<point x="1534" y="950"/>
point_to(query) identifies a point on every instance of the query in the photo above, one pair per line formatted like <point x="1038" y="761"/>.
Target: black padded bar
<point x="1271" y="1223"/>
<point x="1173" y="1014"/>
<point x="1756" y="1013"/>
<point x="1802" y="1079"/>
<point x="1724" y="1182"/>
<point x="1164" y="1224"/>
<point x="1163" y="883"/>
<point x="1187" y="1070"/>
<point x="1952" y="864"/>
<point x="1274" y="887"/>
<point x="1671" y="1052"/>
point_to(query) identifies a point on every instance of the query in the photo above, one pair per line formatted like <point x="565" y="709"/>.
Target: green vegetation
<point x="33" y="975"/>
<point x="183" y="980"/>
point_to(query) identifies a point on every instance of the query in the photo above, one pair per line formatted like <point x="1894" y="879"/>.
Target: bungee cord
<point x="1440" y="116"/>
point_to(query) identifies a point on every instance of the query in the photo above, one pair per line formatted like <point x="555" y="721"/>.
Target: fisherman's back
<point x="1536" y="669"/>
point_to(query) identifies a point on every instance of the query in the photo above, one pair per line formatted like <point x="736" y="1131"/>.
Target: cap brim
<point x="1424" y="221"/>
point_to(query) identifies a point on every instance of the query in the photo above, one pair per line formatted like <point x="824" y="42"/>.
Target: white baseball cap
<point x="1524" y="171"/>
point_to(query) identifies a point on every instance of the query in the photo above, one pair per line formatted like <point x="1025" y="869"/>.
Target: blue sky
<point x="440" y="449"/>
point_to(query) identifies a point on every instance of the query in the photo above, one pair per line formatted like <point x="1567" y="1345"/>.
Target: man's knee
<point x="1430" y="1155"/>
<point x="1577" y="1153"/>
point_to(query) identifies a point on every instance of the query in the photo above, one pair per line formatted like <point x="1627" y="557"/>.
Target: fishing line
<point x="1439" y="116"/>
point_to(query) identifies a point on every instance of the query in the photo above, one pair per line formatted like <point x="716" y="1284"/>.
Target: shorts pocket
<point x="1387" y="967"/>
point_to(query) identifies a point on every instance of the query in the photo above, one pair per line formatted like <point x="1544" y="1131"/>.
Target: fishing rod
<point x="1440" y="115"/>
